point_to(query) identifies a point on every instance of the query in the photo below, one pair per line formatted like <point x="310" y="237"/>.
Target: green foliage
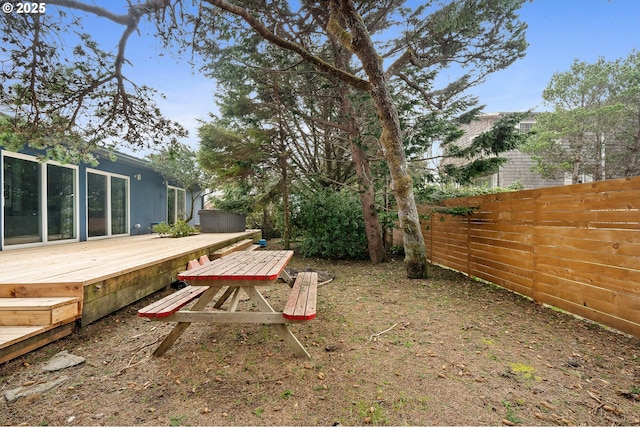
<point x="67" y="96"/>
<point x="332" y="225"/>
<point x="511" y="414"/>
<point x="435" y="194"/>
<point x="593" y="128"/>
<point x="235" y="198"/>
<point x="371" y="413"/>
<point x="396" y="250"/>
<point x="178" y="164"/>
<point x="177" y="420"/>
<point x="233" y="156"/>
<point x="180" y="229"/>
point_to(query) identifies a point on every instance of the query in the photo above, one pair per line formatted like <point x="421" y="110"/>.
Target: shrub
<point x="180" y="229"/>
<point x="332" y="225"/>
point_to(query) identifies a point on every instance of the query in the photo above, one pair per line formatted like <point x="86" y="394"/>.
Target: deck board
<point x="97" y="260"/>
<point x="34" y="303"/>
<point x="11" y="334"/>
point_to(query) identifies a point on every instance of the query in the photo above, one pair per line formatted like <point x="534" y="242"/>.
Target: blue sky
<point x="559" y="31"/>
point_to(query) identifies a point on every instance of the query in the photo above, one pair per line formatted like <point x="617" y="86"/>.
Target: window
<point x="119" y="205"/>
<point x="176" y="204"/>
<point x="107" y="204"/>
<point x="61" y="203"/>
<point x="526" y="127"/>
<point x="39" y="201"/>
<point x="96" y="205"/>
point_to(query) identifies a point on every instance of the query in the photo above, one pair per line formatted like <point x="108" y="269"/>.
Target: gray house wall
<point x="518" y="166"/>
<point x="148" y="195"/>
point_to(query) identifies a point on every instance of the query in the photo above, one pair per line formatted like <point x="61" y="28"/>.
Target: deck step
<point x="18" y="340"/>
<point x="13" y="334"/>
<point x="237" y="246"/>
<point x="38" y="311"/>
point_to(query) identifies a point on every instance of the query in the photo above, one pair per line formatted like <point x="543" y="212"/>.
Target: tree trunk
<point x="373" y="229"/>
<point x="193" y="204"/>
<point x="286" y="232"/>
<point x="634" y="152"/>
<point x="359" y="42"/>
<point x="377" y="252"/>
<point x="390" y="139"/>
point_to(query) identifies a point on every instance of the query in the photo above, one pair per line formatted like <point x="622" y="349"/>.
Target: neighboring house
<point x="45" y="202"/>
<point x="518" y="166"/>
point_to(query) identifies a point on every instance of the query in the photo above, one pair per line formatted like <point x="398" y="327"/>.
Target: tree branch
<point x="290" y="46"/>
<point x="93" y="9"/>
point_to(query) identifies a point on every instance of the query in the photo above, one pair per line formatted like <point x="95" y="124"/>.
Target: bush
<point x="180" y="229"/>
<point x="332" y="225"/>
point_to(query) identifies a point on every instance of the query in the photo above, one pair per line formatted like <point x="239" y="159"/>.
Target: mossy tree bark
<point x="360" y="43"/>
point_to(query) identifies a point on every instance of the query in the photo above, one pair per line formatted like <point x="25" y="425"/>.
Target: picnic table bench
<point x="238" y="271"/>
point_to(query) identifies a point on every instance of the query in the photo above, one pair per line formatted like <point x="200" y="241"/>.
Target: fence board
<point x="575" y="247"/>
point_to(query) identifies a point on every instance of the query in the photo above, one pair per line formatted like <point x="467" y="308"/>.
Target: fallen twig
<point x="374" y="337"/>
<point x="325" y="282"/>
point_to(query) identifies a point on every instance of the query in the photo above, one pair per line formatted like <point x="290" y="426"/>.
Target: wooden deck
<point x="99" y="277"/>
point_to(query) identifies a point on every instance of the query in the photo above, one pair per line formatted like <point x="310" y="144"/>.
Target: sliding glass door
<point x="22" y="200"/>
<point x="107" y="204"/>
<point x="39" y="201"/>
<point x="119" y="205"/>
<point x="61" y="203"/>
<point x="176" y="204"/>
<point x="96" y="205"/>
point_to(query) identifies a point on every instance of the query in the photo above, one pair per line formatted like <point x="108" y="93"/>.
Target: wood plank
<point x="238" y="246"/>
<point x="105" y="274"/>
<point x="12" y="334"/>
<point x="37" y="311"/>
<point x="25" y="289"/>
<point x="64" y="312"/>
<point x="172" y="303"/>
<point x="25" y="318"/>
<point x="182" y="326"/>
<point x="33" y="339"/>
<point x="225" y="317"/>
<point x="35" y="303"/>
<point x="301" y="304"/>
<point x="281" y="329"/>
<point x="241" y="265"/>
<point x="580" y="245"/>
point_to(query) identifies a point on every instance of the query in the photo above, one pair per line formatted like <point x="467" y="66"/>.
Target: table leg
<point x="175" y="333"/>
<point x="281" y="329"/>
<point x="235" y="300"/>
<point x="224" y="297"/>
<point x="286" y="278"/>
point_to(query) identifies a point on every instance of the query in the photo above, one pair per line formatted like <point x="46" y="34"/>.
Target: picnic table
<point x="242" y="271"/>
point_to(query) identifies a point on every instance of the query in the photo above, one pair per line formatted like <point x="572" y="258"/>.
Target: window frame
<point x="42" y="202"/>
<point x="109" y="176"/>
<point x="176" y="211"/>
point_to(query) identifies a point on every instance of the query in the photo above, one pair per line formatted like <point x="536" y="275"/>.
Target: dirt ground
<point x="385" y="351"/>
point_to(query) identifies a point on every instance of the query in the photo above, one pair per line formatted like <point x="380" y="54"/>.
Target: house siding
<point x="517" y="169"/>
<point x="148" y="196"/>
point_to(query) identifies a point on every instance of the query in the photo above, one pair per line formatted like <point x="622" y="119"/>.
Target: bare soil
<point x="385" y="350"/>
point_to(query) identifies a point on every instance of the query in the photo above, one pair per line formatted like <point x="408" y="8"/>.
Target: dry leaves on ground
<point x="386" y="350"/>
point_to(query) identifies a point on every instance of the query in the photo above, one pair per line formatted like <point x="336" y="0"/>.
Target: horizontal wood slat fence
<point x="574" y="247"/>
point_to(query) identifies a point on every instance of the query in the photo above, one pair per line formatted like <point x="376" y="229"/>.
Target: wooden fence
<point x="574" y="247"/>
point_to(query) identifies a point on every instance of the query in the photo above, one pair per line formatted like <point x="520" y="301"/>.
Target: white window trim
<point x="109" y="175"/>
<point x="175" y="213"/>
<point x="43" y="201"/>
